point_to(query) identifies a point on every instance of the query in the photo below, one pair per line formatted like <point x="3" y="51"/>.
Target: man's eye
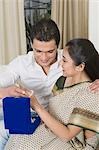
<point x="51" y="51"/>
<point x="38" y="51"/>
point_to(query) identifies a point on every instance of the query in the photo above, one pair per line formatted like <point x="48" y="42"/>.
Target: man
<point x="37" y="70"/>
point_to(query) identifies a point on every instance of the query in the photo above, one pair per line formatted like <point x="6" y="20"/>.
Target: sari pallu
<point x="88" y="121"/>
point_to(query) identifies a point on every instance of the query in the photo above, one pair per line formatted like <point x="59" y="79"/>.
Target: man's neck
<point x="46" y="70"/>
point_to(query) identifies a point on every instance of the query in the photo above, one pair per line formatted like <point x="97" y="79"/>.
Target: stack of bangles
<point x="30" y="93"/>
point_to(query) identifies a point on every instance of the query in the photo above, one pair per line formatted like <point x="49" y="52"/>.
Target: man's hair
<point x="45" y="30"/>
<point x="83" y="51"/>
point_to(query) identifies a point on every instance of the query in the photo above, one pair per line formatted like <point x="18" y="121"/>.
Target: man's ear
<point x="80" y="67"/>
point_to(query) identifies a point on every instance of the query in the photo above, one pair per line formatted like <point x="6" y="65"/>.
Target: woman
<point x="74" y="111"/>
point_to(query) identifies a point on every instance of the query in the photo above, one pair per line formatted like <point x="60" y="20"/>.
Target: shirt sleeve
<point x="9" y="75"/>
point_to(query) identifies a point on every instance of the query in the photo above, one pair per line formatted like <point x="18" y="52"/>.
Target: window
<point x="35" y="10"/>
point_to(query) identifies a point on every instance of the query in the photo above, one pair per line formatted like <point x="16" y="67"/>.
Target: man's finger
<point x="94" y="86"/>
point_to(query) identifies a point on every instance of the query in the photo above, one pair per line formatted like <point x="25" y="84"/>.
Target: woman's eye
<point x="64" y="60"/>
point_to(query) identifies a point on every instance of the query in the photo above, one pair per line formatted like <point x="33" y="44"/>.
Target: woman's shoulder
<point x="86" y="91"/>
<point x="87" y="99"/>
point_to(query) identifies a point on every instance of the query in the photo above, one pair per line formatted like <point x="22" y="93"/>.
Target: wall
<point x="94" y="22"/>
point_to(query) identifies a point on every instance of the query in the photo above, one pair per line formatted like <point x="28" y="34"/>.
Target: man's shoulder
<point x="26" y="56"/>
<point x="23" y="59"/>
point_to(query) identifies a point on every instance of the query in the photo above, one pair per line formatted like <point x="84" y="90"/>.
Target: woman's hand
<point x="33" y="102"/>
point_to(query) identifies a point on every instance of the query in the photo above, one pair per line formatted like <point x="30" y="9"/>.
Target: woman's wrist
<point x="34" y="103"/>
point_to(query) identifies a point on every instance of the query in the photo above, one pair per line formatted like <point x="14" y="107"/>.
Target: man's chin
<point x="45" y="64"/>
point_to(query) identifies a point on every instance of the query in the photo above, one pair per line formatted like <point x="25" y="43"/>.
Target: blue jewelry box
<point x="17" y="116"/>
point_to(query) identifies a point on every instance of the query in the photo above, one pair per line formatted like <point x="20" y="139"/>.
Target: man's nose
<point x="44" y="56"/>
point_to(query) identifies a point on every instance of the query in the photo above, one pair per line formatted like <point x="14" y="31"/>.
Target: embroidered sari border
<point x="84" y="121"/>
<point x="86" y="113"/>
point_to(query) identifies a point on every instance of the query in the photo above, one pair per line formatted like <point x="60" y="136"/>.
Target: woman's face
<point x="68" y="65"/>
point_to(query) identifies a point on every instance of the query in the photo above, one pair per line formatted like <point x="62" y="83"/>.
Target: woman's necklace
<point x="76" y="84"/>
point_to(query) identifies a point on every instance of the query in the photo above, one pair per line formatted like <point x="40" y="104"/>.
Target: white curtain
<point x="71" y="17"/>
<point x="94" y="22"/>
<point x="12" y="30"/>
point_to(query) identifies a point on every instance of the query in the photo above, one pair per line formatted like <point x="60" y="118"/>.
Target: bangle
<point x="17" y="85"/>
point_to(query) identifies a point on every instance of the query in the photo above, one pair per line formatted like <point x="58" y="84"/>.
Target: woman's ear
<point x="80" y="67"/>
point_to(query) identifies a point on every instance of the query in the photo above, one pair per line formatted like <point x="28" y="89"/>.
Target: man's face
<point x="45" y="52"/>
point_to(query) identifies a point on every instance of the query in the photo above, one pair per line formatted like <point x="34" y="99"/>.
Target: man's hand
<point x="12" y="91"/>
<point x="95" y="86"/>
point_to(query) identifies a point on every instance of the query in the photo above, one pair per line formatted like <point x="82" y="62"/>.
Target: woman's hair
<point x="45" y="30"/>
<point x="83" y="51"/>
